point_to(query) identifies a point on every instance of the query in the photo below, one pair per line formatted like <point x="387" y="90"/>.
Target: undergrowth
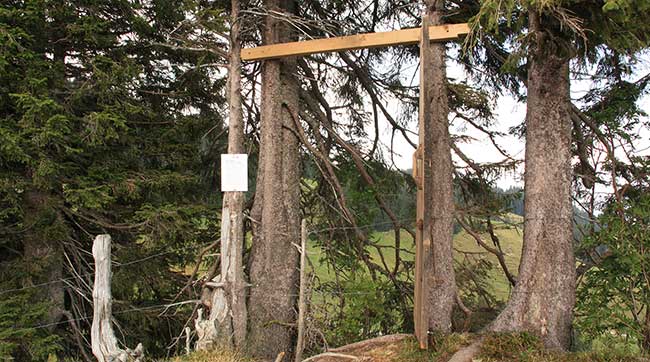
<point x="524" y="347"/>
<point x="442" y="347"/>
<point x="505" y="347"/>
<point x="495" y="347"/>
<point x="223" y="355"/>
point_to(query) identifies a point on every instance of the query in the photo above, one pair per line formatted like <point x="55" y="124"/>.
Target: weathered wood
<point x="419" y="314"/>
<point x="209" y="334"/>
<point x="234" y="201"/>
<point x="214" y="284"/>
<point x="302" y="303"/>
<point x="227" y="321"/>
<point x="216" y="330"/>
<point x="188" y="340"/>
<point x="359" y="41"/>
<point x="363" y="350"/>
<point x="372" y="343"/>
<point x="329" y="356"/>
<point x="104" y="343"/>
<point x="279" y="357"/>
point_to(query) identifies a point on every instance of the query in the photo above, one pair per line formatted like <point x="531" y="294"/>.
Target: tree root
<point x="355" y="351"/>
<point x="331" y="355"/>
<point x="467" y="354"/>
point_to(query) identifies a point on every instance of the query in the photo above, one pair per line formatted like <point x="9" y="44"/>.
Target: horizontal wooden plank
<point x="369" y="40"/>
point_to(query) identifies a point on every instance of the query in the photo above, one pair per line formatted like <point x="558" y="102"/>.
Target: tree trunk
<point x="228" y="313"/>
<point x="543" y="299"/>
<point x="44" y="255"/>
<point x="274" y="257"/>
<point x="438" y="182"/>
<point x="216" y="331"/>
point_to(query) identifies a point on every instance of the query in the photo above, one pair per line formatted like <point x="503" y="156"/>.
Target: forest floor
<point x="492" y="348"/>
<point x="404" y="348"/>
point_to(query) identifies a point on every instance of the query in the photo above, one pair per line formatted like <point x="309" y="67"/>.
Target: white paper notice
<point x="234" y="172"/>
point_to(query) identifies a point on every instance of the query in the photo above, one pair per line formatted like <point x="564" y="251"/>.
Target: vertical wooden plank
<point x="422" y="244"/>
<point x="302" y="302"/>
<point x="417" y="298"/>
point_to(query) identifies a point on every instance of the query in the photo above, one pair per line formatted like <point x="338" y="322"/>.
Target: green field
<point x="509" y="236"/>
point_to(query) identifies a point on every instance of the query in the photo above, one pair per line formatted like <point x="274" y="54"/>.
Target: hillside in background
<point x="509" y="234"/>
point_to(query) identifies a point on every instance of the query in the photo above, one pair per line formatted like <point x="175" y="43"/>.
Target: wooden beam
<point x="369" y="40"/>
<point x="422" y="243"/>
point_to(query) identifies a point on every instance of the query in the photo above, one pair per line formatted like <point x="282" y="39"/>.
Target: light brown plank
<point x="370" y="40"/>
<point x="422" y="248"/>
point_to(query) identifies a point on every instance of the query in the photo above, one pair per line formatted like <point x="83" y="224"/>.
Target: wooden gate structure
<point x="439" y="33"/>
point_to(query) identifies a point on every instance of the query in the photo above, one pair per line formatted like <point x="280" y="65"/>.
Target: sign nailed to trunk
<point x="234" y="172"/>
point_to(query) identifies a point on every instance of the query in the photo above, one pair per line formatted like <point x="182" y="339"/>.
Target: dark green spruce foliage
<point x="615" y="296"/>
<point x="103" y="130"/>
<point x="19" y="335"/>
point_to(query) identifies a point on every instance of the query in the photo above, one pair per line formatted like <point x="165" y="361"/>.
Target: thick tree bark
<point x="438" y="183"/>
<point x="274" y="257"/>
<point x="543" y="299"/>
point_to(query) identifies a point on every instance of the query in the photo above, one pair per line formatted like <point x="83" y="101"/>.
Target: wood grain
<point x="359" y="41"/>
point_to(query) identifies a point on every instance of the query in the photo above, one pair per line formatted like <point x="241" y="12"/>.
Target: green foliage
<point x="523" y="347"/>
<point x="23" y="330"/>
<point x="610" y="23"/>
<point x="474" y="277"/>
<point x="371" y="308"/>
<point x="614" y="297"/>
<point x="105" y="129"/>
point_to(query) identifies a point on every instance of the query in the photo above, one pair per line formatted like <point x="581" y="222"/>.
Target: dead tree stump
<point x="104" y="343"/>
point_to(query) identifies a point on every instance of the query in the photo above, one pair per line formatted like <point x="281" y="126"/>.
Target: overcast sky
<point x="508" y="113"/>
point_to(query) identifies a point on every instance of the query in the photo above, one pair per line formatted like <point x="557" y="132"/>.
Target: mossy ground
<point x="501" y="347"/>
<point x="522" y="347"/>
<point x="518" y="347"/>
<point x="222" y="355"/>
<point x="441" y="349"/>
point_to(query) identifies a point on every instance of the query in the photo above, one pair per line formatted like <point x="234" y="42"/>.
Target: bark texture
<point x="234" y="202"/>
<point x="438" y="178"/>
<point x="228" y="315"/>
<point x="274" y="258"/>
<point x="543" y="299"/>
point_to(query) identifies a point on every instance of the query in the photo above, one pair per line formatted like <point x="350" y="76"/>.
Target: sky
<point x="508" y="113"/>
